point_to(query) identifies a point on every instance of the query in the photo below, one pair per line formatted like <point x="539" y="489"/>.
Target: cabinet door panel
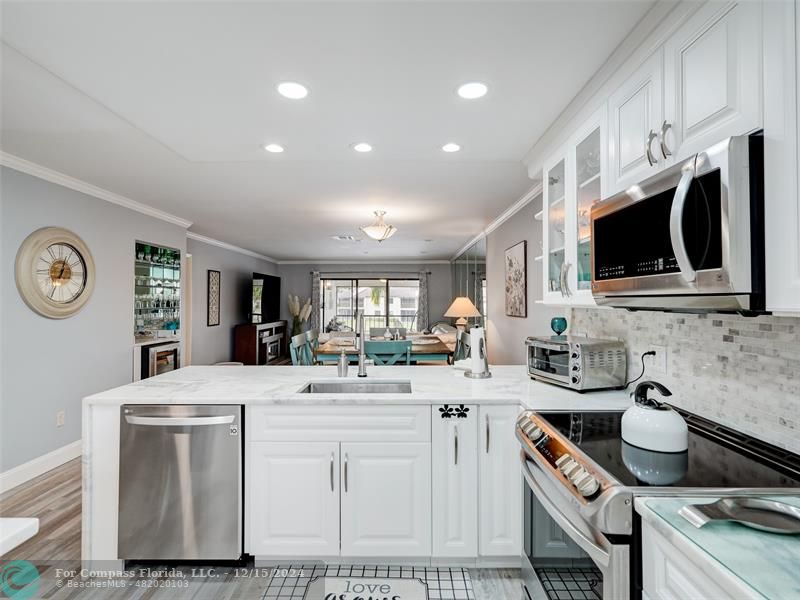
<point x="386" y="499"/>
<point x="500" y="496"/>
<point x="712" y="75"/>
<point x="635" y="110"/>
<point x="455" y="484"/>
<point x="294" y="499"/>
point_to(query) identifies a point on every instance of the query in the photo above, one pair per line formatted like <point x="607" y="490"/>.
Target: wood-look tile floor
<point x="55" y="498"/>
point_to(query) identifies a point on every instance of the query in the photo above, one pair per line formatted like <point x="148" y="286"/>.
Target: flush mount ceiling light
<point x="274" y="148"/>
<point x="472" y="90"/>
<point x="292" y="90"/>
<point x="451" y="147"/>
<point x="345" y="238"/>
<point x="379" y="230"/>
<point x="362" y="147"/>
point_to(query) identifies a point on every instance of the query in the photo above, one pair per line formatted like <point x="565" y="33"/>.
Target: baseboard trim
<point x="42" y="464"/>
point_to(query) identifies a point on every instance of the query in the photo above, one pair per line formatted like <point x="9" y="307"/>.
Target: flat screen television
<point x="265" y="299"/>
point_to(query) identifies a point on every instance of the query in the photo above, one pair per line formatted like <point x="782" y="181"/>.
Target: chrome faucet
<point x="362" y="357"/>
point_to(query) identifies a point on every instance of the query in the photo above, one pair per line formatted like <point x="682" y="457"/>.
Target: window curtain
<point x="316" y="295"/>
<point x="422" y="311"/>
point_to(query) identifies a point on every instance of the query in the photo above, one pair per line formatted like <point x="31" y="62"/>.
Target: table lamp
<point x="462" y="308"/>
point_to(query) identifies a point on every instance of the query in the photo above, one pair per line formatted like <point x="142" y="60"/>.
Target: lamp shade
<point x="462" y="307"/>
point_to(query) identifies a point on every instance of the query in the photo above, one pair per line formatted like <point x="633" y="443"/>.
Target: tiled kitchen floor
<point x="55" y="498"/>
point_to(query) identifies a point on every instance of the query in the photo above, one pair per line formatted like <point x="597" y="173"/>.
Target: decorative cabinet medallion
<point x="448" y="412"/>
<point x="54" y="272"/>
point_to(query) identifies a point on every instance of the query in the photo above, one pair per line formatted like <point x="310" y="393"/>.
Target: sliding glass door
<point x="385" y="303"/>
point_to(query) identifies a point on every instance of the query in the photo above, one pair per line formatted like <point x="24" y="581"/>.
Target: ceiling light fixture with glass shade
<point x="379" y="230"/>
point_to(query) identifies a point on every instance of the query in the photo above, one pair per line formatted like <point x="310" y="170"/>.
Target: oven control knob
<point x="563" y="460"/>
<point x="572" y="469"/>
<point x="577" y="474"/>
<point x="575" y="355"/>
<point x="576" y="378"/>
<point x="576" y="367"/>
<point x="535" y="434"/>
<point x="588" y="486"/>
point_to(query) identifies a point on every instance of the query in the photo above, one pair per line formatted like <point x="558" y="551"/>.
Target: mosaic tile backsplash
<point x="738" y="371"/>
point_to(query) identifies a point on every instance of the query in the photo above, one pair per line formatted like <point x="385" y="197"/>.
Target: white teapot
<point x="653" y="425"/>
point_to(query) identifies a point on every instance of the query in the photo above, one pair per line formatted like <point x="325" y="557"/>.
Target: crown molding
<point x="225" y="245"/>
<point x="363" y="262"/>
<point x="526" y="199"/>
<point x="53" y="176"/>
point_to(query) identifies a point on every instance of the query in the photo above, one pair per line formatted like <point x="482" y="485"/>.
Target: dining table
<point x="427" y="348"/>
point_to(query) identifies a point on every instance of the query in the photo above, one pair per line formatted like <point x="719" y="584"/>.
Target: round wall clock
<point x="54" y="272"/>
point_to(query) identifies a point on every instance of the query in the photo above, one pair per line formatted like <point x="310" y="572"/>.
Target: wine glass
<point x="558" y="325"/>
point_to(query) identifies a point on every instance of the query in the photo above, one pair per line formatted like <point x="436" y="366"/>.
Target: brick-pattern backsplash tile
<point x="739" y="371"/>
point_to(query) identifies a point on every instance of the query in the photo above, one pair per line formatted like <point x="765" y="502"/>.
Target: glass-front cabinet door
<point x="555" y="230"/>
<point x="573" y="181"/>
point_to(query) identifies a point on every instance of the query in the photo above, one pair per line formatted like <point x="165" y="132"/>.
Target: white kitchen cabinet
<point x="386" y="499"/>
<point x="782" y="156"/>
<point x="500" y="486"/>
<point x="635" y="115"/>
<point x="455" y="481"/>
<point x="574" y="182"/>
<point x="293" y="498"/>
<point x="712" y="79"/>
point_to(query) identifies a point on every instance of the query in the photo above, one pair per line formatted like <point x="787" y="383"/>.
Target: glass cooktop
<point x="717" y="456"/>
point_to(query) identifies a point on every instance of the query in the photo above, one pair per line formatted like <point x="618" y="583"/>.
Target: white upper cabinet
<point x="500" y="497"/>
<point x="455" y="482"/>
<point x="293" y="494"/>
<point x="635" y="112"/>
<point x="386" y="499"/>
<point x="712" y="77"/>
<point x="574" y="180"/>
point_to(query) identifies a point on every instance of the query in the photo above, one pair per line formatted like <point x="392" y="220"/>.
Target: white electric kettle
<point x="652" y="425"/>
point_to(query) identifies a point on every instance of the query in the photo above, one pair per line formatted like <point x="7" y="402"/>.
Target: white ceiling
<point x="169" y="104"/>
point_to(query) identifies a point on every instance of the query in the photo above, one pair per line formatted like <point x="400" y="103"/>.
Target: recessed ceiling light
<point x="362" y="147"/>
<point x="292" y="90"/>
<point x="472" y="90"/>
<point x="451" y="147"/>
<point x="274" y="148"/>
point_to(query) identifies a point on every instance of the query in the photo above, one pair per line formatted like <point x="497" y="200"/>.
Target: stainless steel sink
<point x="376" y="386"/>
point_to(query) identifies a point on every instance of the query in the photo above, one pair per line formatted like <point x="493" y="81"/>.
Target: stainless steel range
<point x="585" y="477"/>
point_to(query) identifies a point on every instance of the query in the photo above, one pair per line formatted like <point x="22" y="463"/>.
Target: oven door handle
<point x="595" y="552"/>
<point x="676" y="225"/>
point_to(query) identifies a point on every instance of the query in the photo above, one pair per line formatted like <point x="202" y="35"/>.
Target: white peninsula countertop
<point x="509" y="384"/>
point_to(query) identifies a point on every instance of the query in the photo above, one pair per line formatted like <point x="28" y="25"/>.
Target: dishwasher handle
<point x="179" y="421"/>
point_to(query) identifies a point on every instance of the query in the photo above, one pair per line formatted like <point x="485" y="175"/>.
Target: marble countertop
<point x="280" y="385"/>
<point x="765" y="562"/>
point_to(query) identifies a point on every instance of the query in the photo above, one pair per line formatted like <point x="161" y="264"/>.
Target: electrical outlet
<point x="657" y="365"/>
<point x="60" y="418"/>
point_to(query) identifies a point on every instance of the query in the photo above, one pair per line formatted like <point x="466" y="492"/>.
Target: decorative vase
<point x="297" y="326"/>
<point x="558" y="325"/>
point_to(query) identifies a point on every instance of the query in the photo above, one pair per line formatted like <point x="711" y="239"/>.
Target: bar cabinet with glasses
<point x="157" y="293"/>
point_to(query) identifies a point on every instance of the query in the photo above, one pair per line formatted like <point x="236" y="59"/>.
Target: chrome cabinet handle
<point x="488" y="432"/>
<point x="648" y="150"/>
<point x="561" y="280"/>
<point x="332" y="457"/>
<point x="662" y="139"/>
<point x="567" y="293"/>
<point x="179" y="421"/>
<point x="676" y="226"/>
<point x="345" y="473"/>
<point x="455" y="444"/>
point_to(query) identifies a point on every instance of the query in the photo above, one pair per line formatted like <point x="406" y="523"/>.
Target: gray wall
<point x="296" y="279"/>
<point x="505" y="336"/>
<point x="215" y="344"/>
<point x="49" y="365"/>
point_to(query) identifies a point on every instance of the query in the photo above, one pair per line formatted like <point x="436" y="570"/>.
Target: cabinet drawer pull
<point x="455" y="444"/>
<point x="665" y="151"/>
<point x="487" y="434"/>
<point x="648" y="150"/>
<point x="332" y="457"/>
<point x="345" y="473"/>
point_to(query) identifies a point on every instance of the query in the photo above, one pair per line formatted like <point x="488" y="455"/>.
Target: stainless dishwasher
<point x="180" y="482"/>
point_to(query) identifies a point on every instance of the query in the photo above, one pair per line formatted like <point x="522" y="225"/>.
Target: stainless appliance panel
<point x="160" y="358"/>
<point x="180" y="482"/>
<point x="668" y="277"/>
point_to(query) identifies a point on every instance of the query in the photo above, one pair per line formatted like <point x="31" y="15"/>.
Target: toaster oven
<point x="578" y="363"/>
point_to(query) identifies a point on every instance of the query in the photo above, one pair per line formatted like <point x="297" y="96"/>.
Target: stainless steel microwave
<point x="689" y="239"/>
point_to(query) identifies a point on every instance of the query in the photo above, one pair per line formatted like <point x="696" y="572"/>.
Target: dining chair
<point x="300" y="350"/>
<point x="389" y="353"/>
<point x="313" y="338"/>
<point x="462" y="350"/>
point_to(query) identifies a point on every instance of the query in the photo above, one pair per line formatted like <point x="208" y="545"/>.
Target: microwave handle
<point x="676" y="226"/>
